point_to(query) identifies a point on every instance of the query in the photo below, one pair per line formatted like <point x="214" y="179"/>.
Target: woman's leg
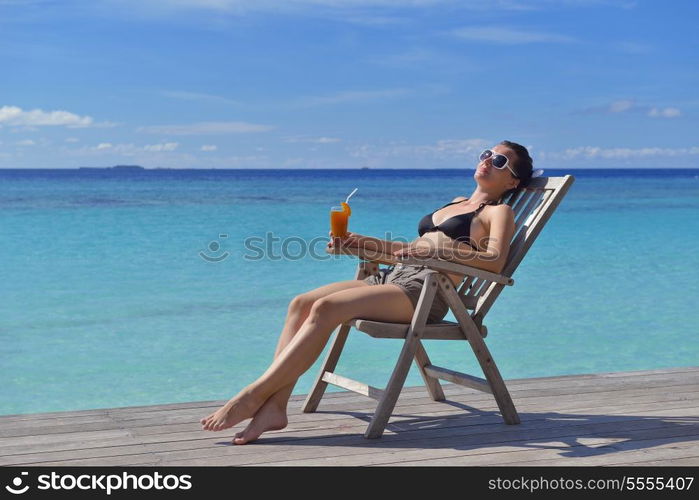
<point x="272" y="414"/>
<point x="379" y="302"/>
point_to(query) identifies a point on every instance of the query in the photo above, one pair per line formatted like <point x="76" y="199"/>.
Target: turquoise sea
<point x="106" y="300"/>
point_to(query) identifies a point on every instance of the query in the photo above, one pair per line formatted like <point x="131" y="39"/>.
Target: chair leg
<point x="316" y="394"/>
<point x="390" y="395"/>
<point x="313" y="398"/>
<point x="432" y="383"/>
<point x="475" y="340"/>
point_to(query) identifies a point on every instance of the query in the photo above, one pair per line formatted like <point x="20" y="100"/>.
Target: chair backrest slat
<point x="533" y="207"/>
<point x="522" y="209"/>
<point x="518" y="206"/>
<point x="526" y="218"/>
<point x="473" y="288"/>
<point x="465" y="286"/>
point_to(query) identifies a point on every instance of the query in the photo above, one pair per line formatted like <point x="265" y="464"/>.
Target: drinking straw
<point x="350" y="195"/>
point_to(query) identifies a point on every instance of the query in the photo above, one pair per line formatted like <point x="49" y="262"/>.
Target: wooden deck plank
<point x="13" y="427"/>
<point x="283" y="443"/>
<point x="297" y="400"/>
<point x="346" y="450"/>
<point x="343" y="442"/>
<point x="675" y="462"/>
<point x="558" y="402"/>
<point x="469" y="451"/>
<point x="455" y="406"/>
<point x="327" y="448"/>
<point x="670" y="447"/>
<point x="576" y="419"/>
<point x="685" y="392"/>
<point x="453" y="403"/>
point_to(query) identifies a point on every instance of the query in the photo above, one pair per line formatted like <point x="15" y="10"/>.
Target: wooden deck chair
<point x="533" y="207"/>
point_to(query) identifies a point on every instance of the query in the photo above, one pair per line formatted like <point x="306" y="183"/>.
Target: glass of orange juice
<point x="339" y="218"/>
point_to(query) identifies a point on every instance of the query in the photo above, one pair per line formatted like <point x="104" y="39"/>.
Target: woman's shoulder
<point x="459" y="198"/>
<point x="499" y="208"/>
<point x="500" y="213"/>
<point x="497" y="211"/>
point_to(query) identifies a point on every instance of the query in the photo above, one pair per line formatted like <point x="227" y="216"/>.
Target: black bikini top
<point x="457" y="227"/>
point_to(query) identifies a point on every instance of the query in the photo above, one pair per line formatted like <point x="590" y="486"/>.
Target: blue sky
<point x="345" y="84"/>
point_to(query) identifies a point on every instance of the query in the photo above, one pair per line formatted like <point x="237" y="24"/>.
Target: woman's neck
<point x="479" y="196"/>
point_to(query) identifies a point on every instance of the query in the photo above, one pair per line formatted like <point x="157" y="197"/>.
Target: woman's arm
<point x="502" y="228"/>
<point x="384" y="246"/>
<point x="368" y="243"/>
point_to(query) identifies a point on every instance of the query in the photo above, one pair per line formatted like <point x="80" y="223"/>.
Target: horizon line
<point x="330" y="168"/>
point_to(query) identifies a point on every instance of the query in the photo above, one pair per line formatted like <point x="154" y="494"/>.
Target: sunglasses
<point x="497" y="160"/>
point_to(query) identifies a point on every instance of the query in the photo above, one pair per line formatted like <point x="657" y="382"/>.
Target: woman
<point x="479" y="221"/>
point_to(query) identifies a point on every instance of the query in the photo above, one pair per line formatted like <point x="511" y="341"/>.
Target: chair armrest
<point x="432" y="263"/>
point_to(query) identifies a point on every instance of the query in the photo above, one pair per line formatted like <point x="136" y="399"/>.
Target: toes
<point x="248" y="435"/>
<point x="243" y="438"/>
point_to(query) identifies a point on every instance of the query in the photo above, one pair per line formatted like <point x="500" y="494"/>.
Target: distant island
<point x="115" y="167"/>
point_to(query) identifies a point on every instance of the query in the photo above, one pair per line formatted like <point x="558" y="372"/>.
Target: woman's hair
<point x="523" y="166"/>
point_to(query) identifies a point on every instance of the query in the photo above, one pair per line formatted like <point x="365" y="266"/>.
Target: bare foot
<point x="236" y="410"/>
<point x="268" y="418"/>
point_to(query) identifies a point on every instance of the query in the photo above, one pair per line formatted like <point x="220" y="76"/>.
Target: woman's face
<point x="496" y="179"/>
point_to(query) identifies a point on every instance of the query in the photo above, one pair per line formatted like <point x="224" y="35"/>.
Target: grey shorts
<point x="411" y="279"/>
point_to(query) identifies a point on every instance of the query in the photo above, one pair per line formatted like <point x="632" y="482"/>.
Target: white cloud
<point x="629" y="105"/>
<point x="238" y="7"/>
<point x="664" y="112"/>
<point x="405" y="59"/>
<point x="445" y="149"/>
<point x="209" y="147"/>
<point x="197" y="96"/>
<point x="451" y="148"/>
<point x="378" y="20"/>
<point x="621" y="105"/>
<point x="168" y="146"/>
<point x="204" y="128"/>
<point x="593" y="152"/>
<point x="26" y="142"/>
<point x="243" y="161"/>
<point x="72" y="139"/>
<point x="104" y="124"/>
<point x="313" y="140"/>
<point x="504" y="35"/>
<point x="352" y="96"/>
<point x="146" y="155"/>
<point x="14" y="115"/>
<point x="129" y="149"/>
<point x="241" y="6"/>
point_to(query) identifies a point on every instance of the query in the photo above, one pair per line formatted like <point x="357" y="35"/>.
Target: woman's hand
<point x="348" y="240"/>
